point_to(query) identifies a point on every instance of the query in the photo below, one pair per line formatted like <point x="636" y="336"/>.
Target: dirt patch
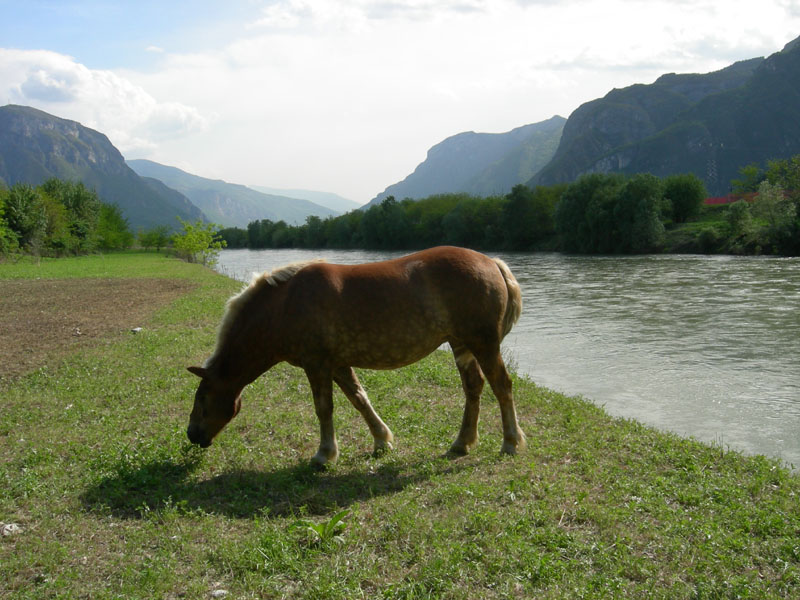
<point x="43" y="320"/>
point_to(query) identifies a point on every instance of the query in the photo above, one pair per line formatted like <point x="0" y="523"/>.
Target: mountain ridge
<point x="707" y="124"/>
<point x="480" y="163"/>
<point x="35" y="146"/>
<point x="230" y="204"/>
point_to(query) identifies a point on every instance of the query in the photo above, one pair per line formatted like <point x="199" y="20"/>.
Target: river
<point x="703" y="346"/>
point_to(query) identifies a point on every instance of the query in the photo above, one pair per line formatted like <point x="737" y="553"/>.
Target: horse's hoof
<point x="320" y="461"/>
<point x="382" y="448"/>
<point x="457" y="450"/>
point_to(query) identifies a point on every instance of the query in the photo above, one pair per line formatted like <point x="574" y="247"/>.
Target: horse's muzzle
<point x="197" y="436"/>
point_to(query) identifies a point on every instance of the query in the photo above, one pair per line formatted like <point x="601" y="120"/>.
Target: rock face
<point x="35" y="146"/>
<point x="481" y="164"/>
<point x="710" y="125"/>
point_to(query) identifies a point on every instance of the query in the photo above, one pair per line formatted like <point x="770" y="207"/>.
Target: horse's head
<point x="215" y="403"/>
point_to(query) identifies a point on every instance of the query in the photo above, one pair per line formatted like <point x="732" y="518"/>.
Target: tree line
<point x="597" y="213"/>
<point x="62" y="218"/>
<point x="59" y="218"/>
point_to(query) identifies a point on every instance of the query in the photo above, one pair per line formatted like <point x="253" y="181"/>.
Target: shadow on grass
<point x="131" y="492"/>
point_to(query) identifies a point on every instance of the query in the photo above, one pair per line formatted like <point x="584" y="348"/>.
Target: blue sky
<point x="109" y="35"/>
<point x="347" y="96"/>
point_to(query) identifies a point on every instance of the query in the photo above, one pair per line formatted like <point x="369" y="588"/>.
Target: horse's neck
<point x="241" y="359"/>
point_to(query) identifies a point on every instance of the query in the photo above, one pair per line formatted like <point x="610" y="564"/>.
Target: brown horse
<point x="329" y="318"/>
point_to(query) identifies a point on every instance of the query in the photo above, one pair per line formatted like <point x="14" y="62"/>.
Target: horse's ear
<point x="199" y="371"/>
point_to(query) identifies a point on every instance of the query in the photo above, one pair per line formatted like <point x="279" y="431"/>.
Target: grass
<point x="113" y="502"/>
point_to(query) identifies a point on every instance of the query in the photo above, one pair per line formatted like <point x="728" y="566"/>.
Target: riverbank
<point x="111" y="501"/>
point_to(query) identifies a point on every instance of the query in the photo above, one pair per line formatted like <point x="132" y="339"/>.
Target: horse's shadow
<point x="246" y="493"/>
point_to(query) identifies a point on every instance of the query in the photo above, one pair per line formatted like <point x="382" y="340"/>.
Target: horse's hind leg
<point x="346" y="379"/>
<point x="472" y="383"/>
<point x="495" y="370"/>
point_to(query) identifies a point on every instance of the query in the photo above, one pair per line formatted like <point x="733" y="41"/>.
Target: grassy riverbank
<point x="112" y="502"/>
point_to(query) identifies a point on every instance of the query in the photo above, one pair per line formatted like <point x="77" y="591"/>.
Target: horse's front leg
<point x="321" y="380"/>
<point x="345" y="378"/>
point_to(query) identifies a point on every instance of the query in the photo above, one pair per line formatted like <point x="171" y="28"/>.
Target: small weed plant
<point x="326" y="533"/>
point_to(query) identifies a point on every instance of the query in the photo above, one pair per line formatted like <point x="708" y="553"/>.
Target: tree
<point x="740" y="220"/>
<point x="157" y="237"/>
<point x="585" y="214"/>
<point x="773" y="206"/>
<point x="82" y="206"/>
<point x="199" y="242"/>
<point x="8" y="239"/>
<point x="113" y="232"/>
<point x="685" y="194"/>
<point x="528" y="215"/>
<point x="637" y="215"/>
<point x="26" y="216"/>
<point x="750" y="177"/>
<point x="234" y="237"/>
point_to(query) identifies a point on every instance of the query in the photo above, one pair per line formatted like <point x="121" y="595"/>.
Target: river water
<point x="704" y="346"/>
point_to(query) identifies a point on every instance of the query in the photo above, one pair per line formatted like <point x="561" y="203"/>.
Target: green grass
<point x="115" y="503"/>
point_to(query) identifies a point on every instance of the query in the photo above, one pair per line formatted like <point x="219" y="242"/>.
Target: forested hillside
<point x="36" y="146"/>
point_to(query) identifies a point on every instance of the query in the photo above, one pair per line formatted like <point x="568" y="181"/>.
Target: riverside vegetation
<point x="110" y="500"/>
<point x="596" y="214"/>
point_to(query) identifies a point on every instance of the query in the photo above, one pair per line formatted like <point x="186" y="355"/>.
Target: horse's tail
<point x="514" y="306"/>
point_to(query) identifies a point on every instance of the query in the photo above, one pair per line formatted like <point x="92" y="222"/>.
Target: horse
<point x="328" y="318"/>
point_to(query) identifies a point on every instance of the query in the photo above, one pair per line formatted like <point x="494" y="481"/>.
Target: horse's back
<point x="394" y="312"/>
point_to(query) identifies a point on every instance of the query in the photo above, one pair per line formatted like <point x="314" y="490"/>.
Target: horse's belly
<point x="384" y="348"/>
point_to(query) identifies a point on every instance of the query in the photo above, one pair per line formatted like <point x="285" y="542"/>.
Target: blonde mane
<point x="236" y="303"/>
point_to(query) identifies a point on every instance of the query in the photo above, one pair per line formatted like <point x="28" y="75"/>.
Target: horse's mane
<point x="238" y="301"/>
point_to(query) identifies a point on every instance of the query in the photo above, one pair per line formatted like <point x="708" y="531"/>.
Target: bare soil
<point x="44" y="320"/>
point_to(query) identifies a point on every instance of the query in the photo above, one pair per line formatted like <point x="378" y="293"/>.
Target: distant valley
<point x="36" y="146"/>
<point x="229" y="204"/>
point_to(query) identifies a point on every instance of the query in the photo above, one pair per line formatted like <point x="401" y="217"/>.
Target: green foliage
<point x="113" y="232"/>
<point x="8" y="239"/>
<point x="157" y="237"/>
<point x="63" y="217"/>
<point x="785" y="173"/>
<point x="26" y="215"/>
<point x="199" y="242"/>
<point x="325" y="532"/>
<point x="386" y="226"/>
<point x="585" y="215"/>
<point x="638" y="215"/>
<point x="685" y="194"/>
<point x="598" y="213"/>
<point x="740" y="220"/>
<point x="750" y="176"/>
<point x="528" y="215"/>
<point x="82" y="209"/>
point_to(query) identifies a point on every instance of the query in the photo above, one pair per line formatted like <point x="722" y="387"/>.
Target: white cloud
<point x="131" y="117"/>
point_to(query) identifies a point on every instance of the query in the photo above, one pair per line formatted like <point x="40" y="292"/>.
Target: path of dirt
<point x="43" y="320"/>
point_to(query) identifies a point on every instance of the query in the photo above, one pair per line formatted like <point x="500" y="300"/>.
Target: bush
<point x="199" y="242"/>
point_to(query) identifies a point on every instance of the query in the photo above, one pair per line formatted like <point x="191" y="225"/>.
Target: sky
<point x="347" y="96"/>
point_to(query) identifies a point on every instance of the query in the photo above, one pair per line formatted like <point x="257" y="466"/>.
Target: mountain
<point x="327" y="199"/>
<point x="710" y="125"/>
<point x="35" y="146"/>
<point x="481" y="164"/>
<point x="229" y="204"/>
